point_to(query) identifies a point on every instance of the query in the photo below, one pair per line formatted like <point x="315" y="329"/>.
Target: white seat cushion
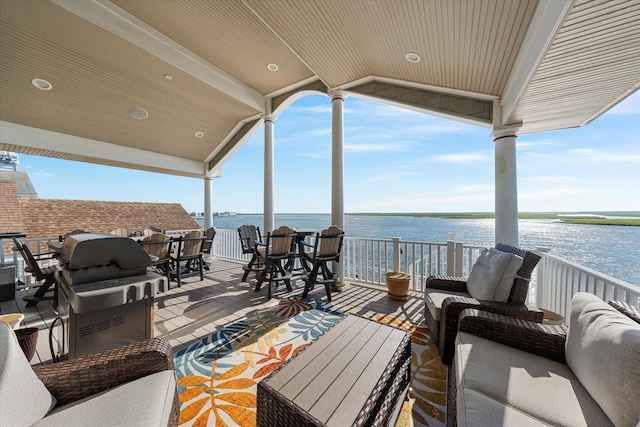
<point x="603" y="350"/>
<point x="144" y="402"/>
<point x="530" y="384"/>
<point x="434" y="298"/>
<point x="23" y="397"/>
<point x="492" y="275"/>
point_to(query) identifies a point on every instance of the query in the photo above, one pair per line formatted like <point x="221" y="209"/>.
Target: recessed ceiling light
<point x="272" y="67"/>
<point x="139" y="113"/>
<point x="199" y="134"/>
<point x="168" y="76"/>
<point x="412" y="57"/>
<point x="41" y="84"/>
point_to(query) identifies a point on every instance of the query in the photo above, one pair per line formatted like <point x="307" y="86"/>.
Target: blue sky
<point x="395" y="160"/>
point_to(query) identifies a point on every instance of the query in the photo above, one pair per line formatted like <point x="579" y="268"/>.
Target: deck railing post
<point x="396" y="253"/>
<point x="540" y="285"/>
<point x="451" y="258"/>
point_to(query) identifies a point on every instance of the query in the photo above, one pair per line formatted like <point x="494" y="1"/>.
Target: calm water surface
<point x="613" y="250"/>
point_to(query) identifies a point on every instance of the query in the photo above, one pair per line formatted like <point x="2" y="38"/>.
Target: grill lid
<point x="93" y="257"/>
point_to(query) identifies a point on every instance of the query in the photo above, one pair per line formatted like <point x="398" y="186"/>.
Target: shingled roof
<point x="41" y="218"/>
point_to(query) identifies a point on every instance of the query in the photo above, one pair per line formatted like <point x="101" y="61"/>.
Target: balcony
<point x="221" y="309"/>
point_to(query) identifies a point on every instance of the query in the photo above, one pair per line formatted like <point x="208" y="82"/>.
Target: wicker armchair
<point x="72" y="380"/>
<point x="445" y="328"/>
<point x="627" y="309"/>
<point x="536" y="338"/>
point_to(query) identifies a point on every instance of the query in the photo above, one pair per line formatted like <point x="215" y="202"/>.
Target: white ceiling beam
<point x="124" y="25"/>
<point x="546" y="22"/>
<point x="25" y="136"/>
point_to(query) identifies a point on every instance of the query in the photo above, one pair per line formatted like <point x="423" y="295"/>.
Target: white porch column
<point x="506" y="185"/>
<point x="337" y="166"/>
<point x="208" y="202"/>
<point x="269" y="215"/>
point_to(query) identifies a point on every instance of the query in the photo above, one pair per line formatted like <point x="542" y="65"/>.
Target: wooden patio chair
<point x="45" y="275"/>
<point x="250" y="234"/>
<point x="276" y="254"/>
<point x="188" y="255"/>
<point x="446" y="297"/>
<point x="327" y="248"/>
<point x="159" y="247"/>
<point x="207" y="245"/>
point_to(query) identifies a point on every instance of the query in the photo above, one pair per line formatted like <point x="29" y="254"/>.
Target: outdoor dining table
<point x="301" y="235"/>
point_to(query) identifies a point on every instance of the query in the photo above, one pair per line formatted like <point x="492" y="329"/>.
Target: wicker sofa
<point x="512" y="372"/>
<point x="130" y="385"/>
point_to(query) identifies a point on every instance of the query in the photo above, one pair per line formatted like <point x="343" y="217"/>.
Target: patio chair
<point x="45" y="275"/>
<point x="120" y="232"/>
<point x="276" y="253"/>
<point x="250" y="234"/>
<point x="159" y="247"/>
<point x="207" y="245"/>
<point x="129" y="385"/>
<point x="446" y="296"/>
<point x="188" y="255"/>
<point x="327" y="248"/>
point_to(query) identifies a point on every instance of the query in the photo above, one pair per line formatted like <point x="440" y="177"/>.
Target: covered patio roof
<point x="208" y="66"/>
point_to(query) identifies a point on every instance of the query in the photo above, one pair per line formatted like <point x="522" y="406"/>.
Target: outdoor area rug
<point x="218" y="376"/>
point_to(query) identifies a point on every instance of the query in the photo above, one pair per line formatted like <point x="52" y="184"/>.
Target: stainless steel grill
<point x="106" y="292"/>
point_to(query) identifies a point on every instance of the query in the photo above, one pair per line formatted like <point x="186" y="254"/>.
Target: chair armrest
<point x="452" y="307"/>
<point x="536" y="338"/>
<point x="85" y="376"/>
<point x="448" y="283"/>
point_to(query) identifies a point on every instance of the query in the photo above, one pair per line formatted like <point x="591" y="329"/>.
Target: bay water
<point x="613" y="250"/>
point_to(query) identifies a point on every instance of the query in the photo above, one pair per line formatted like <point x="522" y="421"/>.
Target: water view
<point x="613" y="250"/>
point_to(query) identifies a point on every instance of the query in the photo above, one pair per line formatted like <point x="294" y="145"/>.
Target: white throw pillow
<point x="492" y="275"/>
<point x="24" y="399"/>
<point x="603" y="351"/>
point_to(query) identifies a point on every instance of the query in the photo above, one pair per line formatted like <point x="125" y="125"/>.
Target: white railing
<point x="553" y="283"/>
<point x="558" y="279"/>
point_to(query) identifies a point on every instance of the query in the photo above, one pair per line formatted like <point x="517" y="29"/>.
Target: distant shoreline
<point x="600" y="218"/>
<point x="621" y="218"/>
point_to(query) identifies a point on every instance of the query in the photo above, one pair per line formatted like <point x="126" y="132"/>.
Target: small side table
<point x="551" y="318"/>
<point x="27" y="338"/>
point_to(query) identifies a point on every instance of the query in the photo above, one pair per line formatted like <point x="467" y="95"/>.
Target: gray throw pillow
<point x="25" y="399"/>
<point x="492" y="275"/>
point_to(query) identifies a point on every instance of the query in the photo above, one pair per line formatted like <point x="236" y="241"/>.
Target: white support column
<point x="506" y="184"/>
<point x="269" y="215"/>
<point x="208" y="202"/>
<point x="337" y="166"/>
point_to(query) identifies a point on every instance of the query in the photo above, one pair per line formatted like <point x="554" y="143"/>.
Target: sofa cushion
<point x="530" y="384"/>
<point x="23" y="397"/>
<point x="492" y="275"/>
<point x="603" y="350"/>
<point x="434" y="298"/>
<point x="144" y="402"/>
<point x="481" y="411"/>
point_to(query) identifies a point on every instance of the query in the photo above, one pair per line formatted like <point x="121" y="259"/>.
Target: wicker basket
<point x="398" y="285"/>
<point x="27" y="338"/>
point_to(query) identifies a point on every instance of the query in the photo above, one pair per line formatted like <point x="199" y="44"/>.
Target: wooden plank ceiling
<point x="106" y="57"/>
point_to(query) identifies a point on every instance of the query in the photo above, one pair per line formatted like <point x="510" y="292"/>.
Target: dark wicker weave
<point x="444" y="330"/>
<point x="536" y="338"/>
<point x="85" y="376"/>
<point x="27" y="338"/>
<point x="626" y="309"/>
<point x="275" y="411"/>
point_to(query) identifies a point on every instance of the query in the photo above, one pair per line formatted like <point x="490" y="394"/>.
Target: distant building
<point x="22" y="211"/>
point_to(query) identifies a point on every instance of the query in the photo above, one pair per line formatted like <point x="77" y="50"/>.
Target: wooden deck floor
<point x="186" y="314"/>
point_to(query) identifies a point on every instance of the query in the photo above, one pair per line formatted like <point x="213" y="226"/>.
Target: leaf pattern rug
<point x="218" y="376"/>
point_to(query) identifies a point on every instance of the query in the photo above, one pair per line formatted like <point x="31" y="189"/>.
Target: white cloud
<point x="593" y="155"/>
<point x="461" y="158"/>
<point x="42" y="172"/>
<point x="389" y="146"/>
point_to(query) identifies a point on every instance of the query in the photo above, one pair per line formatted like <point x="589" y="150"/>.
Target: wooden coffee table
<point x="357" y="373"/>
